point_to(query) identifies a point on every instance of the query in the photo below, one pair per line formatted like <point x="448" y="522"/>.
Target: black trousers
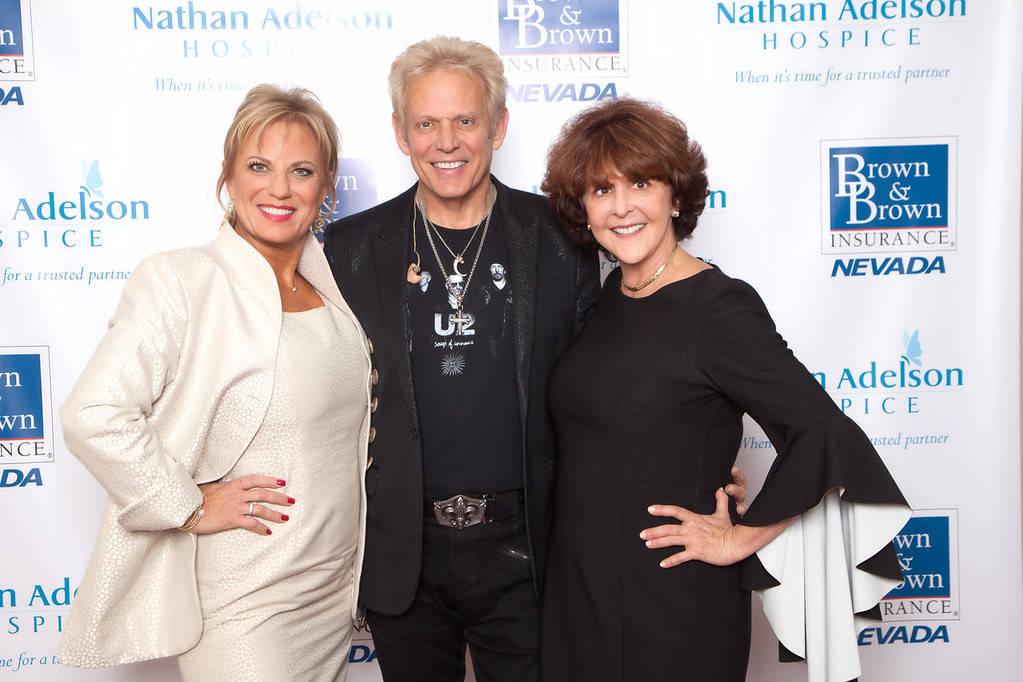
<point x="476" y="588"/>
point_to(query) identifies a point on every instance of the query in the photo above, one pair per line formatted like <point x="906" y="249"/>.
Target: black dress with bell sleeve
<point x="647" y="403"/>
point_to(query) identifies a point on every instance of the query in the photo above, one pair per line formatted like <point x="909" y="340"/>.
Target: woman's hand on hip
<point x="710" y="538"/>
<point x="737" y="489"/>
<point x="241" y="503"/>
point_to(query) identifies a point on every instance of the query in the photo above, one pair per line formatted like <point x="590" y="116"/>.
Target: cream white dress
<point x="279" y="607"/>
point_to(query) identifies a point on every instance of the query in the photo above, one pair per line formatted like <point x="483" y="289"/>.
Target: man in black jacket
<point x="468" y="291"/>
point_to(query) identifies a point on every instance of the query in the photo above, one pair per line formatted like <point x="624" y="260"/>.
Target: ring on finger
<point x="252" y="506"/>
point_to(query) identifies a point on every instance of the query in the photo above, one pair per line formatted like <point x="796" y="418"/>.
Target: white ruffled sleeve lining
<point x="817" y="563"/>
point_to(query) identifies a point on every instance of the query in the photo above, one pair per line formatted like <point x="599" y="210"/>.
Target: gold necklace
<point x="654" y="276"/>
<point x="293" y="287"/>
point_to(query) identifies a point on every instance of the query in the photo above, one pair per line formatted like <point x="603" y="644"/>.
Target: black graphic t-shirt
<point x="463" y="367"/>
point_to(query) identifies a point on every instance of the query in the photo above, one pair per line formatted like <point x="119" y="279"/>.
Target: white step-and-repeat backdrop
<point x="865" y="167"/>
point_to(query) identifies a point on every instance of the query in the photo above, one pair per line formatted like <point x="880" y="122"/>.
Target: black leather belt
<point x="464" y="510"/>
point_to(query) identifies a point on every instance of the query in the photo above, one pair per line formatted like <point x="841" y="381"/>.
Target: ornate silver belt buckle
<point x="459" y="511"/>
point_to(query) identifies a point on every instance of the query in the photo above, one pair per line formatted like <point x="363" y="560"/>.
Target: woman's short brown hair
<point x="265" y="104"/>
<point x="637" y="139"/>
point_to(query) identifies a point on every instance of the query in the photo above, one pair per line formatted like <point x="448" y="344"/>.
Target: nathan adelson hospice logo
<point x="888" y="197"/>
<point x="26" y="414"/>
<point x="890" y="386"/>
<point x="928" y="551"/>
<point x="562" y="37"/>
<point x="69" y="216"/>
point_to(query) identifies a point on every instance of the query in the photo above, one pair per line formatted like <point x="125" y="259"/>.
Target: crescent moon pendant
<point x="458" y="261"/>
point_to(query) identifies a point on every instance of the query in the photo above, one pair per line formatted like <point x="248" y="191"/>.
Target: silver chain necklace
<point x="458" y="258"/>
<point x="430" y="228"/>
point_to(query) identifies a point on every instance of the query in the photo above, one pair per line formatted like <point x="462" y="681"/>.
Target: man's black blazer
<point x="554" y="282"/>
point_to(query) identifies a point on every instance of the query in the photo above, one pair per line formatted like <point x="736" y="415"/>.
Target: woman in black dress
<point x="647" y="405"/>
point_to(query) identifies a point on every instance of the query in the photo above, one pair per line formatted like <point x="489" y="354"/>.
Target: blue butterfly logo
<point x="912" y="344"/>
<point x="93" y="180"/>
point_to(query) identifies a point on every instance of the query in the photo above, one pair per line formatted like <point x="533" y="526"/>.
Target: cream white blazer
<point x="171" y="398"/>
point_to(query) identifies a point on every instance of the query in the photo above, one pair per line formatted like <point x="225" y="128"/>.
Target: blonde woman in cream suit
<point x="226" y="413"/>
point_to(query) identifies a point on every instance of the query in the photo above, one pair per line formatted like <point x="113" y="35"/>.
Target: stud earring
<point x="675" y="213"/>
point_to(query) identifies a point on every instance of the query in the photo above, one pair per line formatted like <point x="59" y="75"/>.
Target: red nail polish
<point x="280" y="481"/>
<point x="269" y="532"/>
<point x="291" y="500"/>
<point x="284" y="517"/>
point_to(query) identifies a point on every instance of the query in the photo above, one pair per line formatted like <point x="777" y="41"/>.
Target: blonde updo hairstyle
<point x="266" y="104"/>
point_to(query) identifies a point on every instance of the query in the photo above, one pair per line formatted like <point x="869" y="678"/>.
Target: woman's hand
<point x="234" y="504"/>
<point x="737" y="489"/>
<point x="710" y="538"/>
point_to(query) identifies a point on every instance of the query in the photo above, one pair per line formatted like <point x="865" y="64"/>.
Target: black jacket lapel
<point x="522" y="239"/>
<point x="390" y="259"/>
